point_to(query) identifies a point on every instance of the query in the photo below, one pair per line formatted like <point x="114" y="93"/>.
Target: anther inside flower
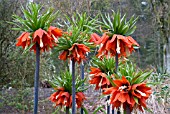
<point x="119" y="93"/>
<point x="123" y="88"/>
<point x="142" y="94"/>
<point x="141" y="90"/>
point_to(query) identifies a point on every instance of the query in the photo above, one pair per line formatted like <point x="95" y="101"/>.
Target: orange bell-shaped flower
<point x="63" y="98"/>
<point x="76" y="52"/>
<point x="119" y="44"/>
<point x="99" y="78"/>
<point x="119" y="93"/>
<point x="24" y="40"/>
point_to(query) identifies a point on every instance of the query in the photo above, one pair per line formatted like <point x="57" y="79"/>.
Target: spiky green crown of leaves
<point x="106" y="65"/>
<point x="82" y="21"/>
<point x="33" y="18"/>
<point x="65" y="81"/>
<point x="115" y="24"/>
<point x="79" y="27"/>
<point x="133" y="74"/>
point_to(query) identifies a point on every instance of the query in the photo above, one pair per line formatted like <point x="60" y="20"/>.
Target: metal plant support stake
<point x="82" y="77"/>
<point x="36" y="78"/>
<point x="73" y="88"/>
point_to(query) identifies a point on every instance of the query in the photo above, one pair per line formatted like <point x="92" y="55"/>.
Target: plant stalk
<point x="116" y="68"/>
<point x="73" y="88"/>
<point x="117" y="62"/>
<point x="36" y="78"/>
<point x="128" y="109"/>
<point x="108" y="106"/>
<point x="113" y="111"/>
<point x="82" y="77"/>
<point x="67" y="110"/>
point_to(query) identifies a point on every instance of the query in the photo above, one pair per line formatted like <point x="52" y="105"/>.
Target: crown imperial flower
<point x="36" y="28"/>
<point x="116" y="39"/>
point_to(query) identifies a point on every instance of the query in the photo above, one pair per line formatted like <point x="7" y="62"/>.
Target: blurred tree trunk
<point x="160" y="10"/>
<point x="165" y="32"/>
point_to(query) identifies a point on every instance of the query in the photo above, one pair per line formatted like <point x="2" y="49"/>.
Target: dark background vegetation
<point x="153" y="29"/>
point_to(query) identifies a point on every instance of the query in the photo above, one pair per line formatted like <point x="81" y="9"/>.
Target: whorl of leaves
<point x="33" y="18"/>
<point x="115" y="24"/>
<point x="65" y="81"/>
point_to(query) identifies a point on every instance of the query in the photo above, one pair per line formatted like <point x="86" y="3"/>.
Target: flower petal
<point x="95" y="38"/>
<point x="63" y="55"/>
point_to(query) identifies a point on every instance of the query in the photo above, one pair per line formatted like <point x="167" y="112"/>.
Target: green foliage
<point x="20" y="99"/>
<point x="160" y="79"/>
<point x="115" y="24"/>
<point x="163" y="94"/>
<point x="21" y="78"/>
<point x="154" y="18"/>
<point x="65" y="81"/>
<point x="33" y="19"/>
<point x="98" y="109"/>
<point x="82" y="21"/>
<point x="67" y="40"/>
<point x="84" y="110"/>
<point x="133" y="74"/>
<point x="106" y="65"/>
<point x="79" y="28"/>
